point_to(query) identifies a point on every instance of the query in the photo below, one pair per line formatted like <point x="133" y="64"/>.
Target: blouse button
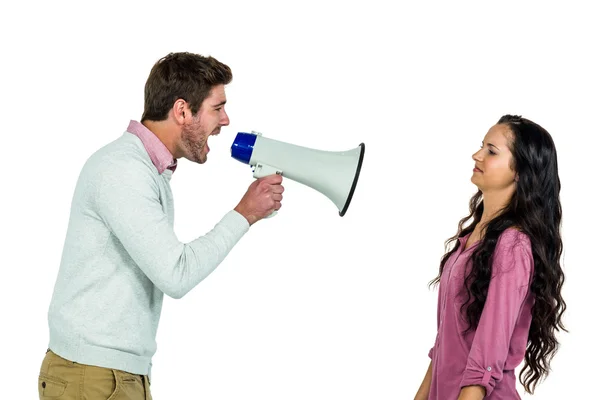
<point x="489" y="368"/>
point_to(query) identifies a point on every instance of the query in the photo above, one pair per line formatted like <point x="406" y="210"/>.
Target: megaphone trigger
<point x="261" y="170"/>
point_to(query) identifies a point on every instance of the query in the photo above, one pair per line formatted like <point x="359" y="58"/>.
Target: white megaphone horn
<point x="335" y="174"/>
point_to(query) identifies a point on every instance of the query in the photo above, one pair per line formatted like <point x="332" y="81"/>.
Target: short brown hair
<point x="184" y="76"/>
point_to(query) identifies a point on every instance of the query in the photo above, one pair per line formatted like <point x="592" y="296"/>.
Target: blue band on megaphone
<point x="242" y="147"/>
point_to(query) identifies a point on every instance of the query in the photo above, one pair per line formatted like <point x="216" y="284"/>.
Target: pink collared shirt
<point x="488" y="355"/>
<point x="159" y="154"/>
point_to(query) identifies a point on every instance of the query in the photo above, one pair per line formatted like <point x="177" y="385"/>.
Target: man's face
<point x="207" y="122"/>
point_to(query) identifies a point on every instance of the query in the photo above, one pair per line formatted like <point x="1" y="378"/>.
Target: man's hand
<point x="263" y="197"/>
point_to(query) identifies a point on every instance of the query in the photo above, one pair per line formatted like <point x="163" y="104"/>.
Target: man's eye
<point x="491" y="152"/>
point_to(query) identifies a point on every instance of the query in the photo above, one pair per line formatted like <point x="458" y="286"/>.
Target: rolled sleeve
<point x="475" y="376"/>
<point x="508" y="289"/>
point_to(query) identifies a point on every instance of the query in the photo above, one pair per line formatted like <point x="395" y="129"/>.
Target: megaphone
<point x="335" y="174"/>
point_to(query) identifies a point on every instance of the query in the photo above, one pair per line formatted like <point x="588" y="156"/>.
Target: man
<point x="121" y="254"/>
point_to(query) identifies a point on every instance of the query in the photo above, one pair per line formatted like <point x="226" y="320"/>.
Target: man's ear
<point x="181" y="111"/>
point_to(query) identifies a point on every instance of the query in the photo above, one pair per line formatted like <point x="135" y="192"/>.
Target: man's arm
<point x="129" y="204"/>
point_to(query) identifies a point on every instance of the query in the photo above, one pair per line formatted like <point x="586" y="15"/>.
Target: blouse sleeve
<point x="511" y="273"/>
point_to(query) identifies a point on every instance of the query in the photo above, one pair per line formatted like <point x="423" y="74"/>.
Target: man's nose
<point x="225" y="119"/>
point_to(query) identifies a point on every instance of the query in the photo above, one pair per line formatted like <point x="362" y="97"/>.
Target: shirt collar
<point x="159" y="154"/>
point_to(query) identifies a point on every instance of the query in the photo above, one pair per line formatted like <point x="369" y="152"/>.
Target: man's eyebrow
<point x="220" y="104"/>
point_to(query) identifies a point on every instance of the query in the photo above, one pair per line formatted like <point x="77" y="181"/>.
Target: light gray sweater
<point x="120" y="255"/>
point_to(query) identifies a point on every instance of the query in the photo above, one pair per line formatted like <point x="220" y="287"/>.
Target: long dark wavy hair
<point x="535" y="210"/>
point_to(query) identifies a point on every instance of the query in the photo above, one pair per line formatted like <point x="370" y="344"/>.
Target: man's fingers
<point x="272" y="179"/>
<point x="278" y="189"/>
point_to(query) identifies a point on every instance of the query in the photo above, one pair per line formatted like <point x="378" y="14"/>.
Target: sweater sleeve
<point x="509" y="285"/>
<point x="128" y="202"/>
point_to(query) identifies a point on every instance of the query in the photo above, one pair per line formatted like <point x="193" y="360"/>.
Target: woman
<point x="500" y="285"/>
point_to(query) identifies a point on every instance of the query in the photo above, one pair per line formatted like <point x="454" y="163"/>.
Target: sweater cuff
<point x="483" y="378"/>
<point x="235" y="223"/>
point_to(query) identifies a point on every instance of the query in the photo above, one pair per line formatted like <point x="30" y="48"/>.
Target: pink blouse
<point x="488" y="355"/>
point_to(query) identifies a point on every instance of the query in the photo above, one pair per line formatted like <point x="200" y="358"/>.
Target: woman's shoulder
<point x="513" y="257"/>
<point x="513" y="239"/>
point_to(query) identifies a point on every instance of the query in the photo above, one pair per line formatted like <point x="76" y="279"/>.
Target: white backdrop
<point x="308" y="305"/>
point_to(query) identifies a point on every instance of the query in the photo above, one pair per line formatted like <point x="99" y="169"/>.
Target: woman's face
<point x="493" y="172"/>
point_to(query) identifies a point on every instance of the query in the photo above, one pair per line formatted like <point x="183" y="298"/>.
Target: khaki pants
<point x="61" y="379"/>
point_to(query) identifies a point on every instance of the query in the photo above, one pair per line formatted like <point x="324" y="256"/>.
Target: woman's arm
<point x="472" y="393"/>
<point x="423" y="392"/>
<point x="507" y="292"/>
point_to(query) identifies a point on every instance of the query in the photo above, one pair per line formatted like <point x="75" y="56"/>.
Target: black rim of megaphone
<point x="358" y="167"/>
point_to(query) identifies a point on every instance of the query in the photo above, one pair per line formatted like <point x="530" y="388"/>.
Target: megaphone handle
<point x="262" y="170"/>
